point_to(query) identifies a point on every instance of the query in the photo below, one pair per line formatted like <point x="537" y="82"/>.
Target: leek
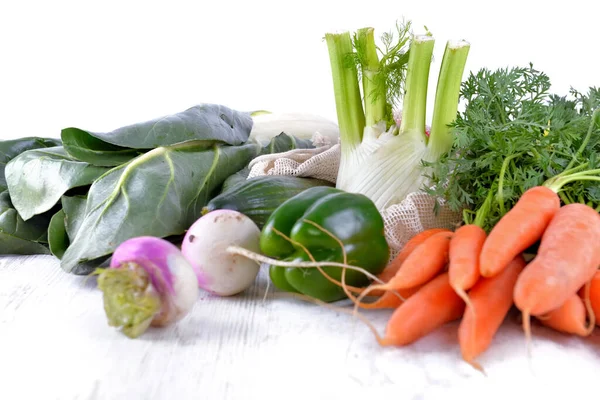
<point x="380" y="159"/>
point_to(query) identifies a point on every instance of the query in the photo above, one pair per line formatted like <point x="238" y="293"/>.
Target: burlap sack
<point x="402" y="221"/>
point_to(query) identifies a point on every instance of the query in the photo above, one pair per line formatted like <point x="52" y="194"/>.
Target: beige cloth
<point x="402" y="221"/>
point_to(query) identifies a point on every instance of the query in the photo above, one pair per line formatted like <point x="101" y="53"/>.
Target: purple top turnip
<point x="149" y="283"/>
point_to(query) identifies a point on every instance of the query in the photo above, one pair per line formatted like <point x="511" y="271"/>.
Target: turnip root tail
<point x="312" y="258"/>
<point x="294" y="264"/>
<point x="344" y="260"/>
<point x="308" y="253"/>
<point x="266" y="290"/>
<point x="358" y="301"/>
<point x="365" y="291"/>
<point x="344" y="256"/>
<point x="314" y="264"/>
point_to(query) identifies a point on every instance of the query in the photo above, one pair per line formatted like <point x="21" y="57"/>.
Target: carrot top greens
<point x="514" y="134"/>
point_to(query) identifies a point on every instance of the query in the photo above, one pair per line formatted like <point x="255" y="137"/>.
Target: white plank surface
<point x="55" y="344"/>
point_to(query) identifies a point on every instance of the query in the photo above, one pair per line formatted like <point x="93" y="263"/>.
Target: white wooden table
<point x="55" y="344"/>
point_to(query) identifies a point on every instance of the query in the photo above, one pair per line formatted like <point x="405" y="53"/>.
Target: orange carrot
<point x="568" y="318"/>
<point x="387" y="299"/>
<point x="463" y="260"/>
<point x="393" y="267"/>
<point x="434" y="305"/>
<point x="423" y="264"/>
<point x="567" y="258"/>
<point x="518" y="229"/>
<point x="595" y="295"/>
<point x="490" y="301"/>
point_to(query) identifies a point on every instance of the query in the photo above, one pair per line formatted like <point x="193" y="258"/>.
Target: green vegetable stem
<point x="378" y="158"/>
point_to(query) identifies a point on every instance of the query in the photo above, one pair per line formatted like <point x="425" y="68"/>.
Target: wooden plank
<point x="55" y="344"/>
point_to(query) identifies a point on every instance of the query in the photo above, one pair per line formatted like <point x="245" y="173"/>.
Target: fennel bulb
<point x="379" y="159"/>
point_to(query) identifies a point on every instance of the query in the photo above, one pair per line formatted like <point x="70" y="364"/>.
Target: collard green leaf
<point x="284" y="142"/>
<point x="160" y="193"/>
<point x="83" y="146"/>
<point x="38" y="178"/>
<point x="9" y="149"/>
<point x="57" y="235"/>
<point x="74" y="209"/>
<point x="209" y="122"/>
<point x="18" y="236"/>
<point x="13" y="245"/>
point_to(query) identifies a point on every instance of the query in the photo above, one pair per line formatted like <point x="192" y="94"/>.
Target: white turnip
<point x="205" y="247"/>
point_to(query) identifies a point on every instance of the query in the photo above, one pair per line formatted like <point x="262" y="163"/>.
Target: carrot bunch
<point x="475" y="277"/>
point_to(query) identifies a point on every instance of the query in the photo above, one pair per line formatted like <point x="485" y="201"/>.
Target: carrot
<point x="568" y="318"/>
<point x="393" y="267"/>
<point x="463" y="260"/>
<point x="518" y="229"/>
<point x="490" y="301"/>
<point x="567" y="258"/>
<point x="594" y="296"/>
<point x="393" y="300"/>
<point x="423" y="264"/>
<point x="390" y="270"/>
<point x="434" y="305"/>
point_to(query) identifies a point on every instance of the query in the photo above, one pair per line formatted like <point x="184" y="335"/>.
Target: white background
<point x="104" y="64"/>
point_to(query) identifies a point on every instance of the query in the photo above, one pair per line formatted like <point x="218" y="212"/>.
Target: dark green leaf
<point x="38" y="178"/>
<point x="207" y="122"/>
<point x="284" y="142"/>
<point x="57" y="235"/>
<point x="9" y="149"/>
<point x="13" y="245"/>
<point x="74" y="209"/>
<point x="160" y="193"/>
<point x="18" y="236"/>
<point x="83" y="146"/>
<point x="278" y="144"/>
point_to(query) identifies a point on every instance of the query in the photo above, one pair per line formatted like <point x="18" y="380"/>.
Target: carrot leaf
<point x="514" y="134"/>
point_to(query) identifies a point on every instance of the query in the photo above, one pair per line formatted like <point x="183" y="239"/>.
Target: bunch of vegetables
<point x="146" y="179"/>
<point x="125" y="198"/>
<point x="521" y="166"/>
<point x="518" y="161"/>
<point x="477" y="277"/>
<point x="80" y="196"/>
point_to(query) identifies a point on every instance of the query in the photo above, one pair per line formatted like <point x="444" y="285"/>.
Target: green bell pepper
<point x="352" y="218"/>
